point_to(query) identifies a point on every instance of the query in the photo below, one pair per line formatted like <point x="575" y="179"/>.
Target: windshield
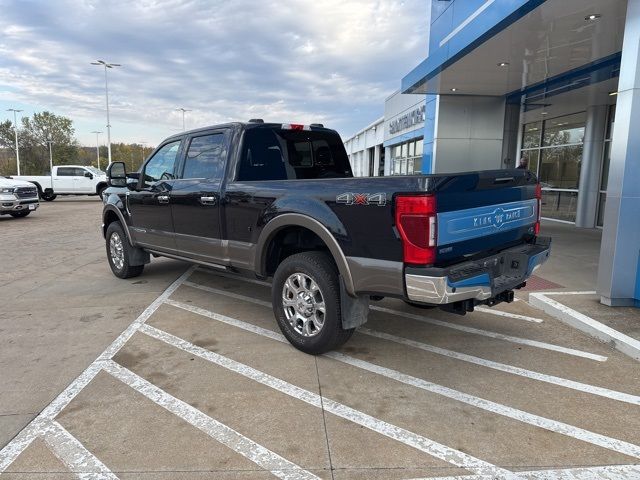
<point x="96" y="171"/>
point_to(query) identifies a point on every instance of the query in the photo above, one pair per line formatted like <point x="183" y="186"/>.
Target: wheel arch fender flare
<point x="110" y="209"/>
<point x="285" y="220"/>
<point x="101" y="186"/>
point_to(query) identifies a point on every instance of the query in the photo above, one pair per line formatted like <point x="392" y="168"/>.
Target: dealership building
<point x="555" y="82"/>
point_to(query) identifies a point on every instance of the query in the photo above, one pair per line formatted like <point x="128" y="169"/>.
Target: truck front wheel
<point x="118" y="253"/>
<point x="48" y="196"/>
<point x="306" y="302"/>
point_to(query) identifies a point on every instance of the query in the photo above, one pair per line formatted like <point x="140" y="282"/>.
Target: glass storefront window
<point x="560" y="167"/>
<point x="417" y="166"/>
<point x="564" y="130"/>
<point x="534" y="157"/>
<point x="531" y="135"/>
<point x="559" y="205"/>
<point x="407" y="158"/>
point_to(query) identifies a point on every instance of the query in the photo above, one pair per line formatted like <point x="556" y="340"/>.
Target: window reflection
<point x="406" y="158"/>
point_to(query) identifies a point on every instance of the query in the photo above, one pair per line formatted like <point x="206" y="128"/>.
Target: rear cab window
<point x="272" y="153"/>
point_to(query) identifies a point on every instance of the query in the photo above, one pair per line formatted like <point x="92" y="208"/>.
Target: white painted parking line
<point x="626" y="344"/>
<point x="401" y="435"/>
<point x="522" y="372"/>
<point x="496" y="335"/>
<point x="587" y="436"/>
<point x="252" y="451"/>
<point x="614" y="472"/>
<point x="38" y="425"/>
<point x="515" y="316"/>
<point x="440" y="323"/>
<point x="74" y="455"/>
<point x="237" y="296"/>
<point x="563" y="382"/>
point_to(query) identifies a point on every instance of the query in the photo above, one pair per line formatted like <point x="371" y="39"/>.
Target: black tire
<point x="423" y="306"/>
<point x="319" y="268"/>
<point x="20" y="214"/>
<point x="48" y="196"/>
<point x="123" y="269"/>
<point x="101" y="189"/>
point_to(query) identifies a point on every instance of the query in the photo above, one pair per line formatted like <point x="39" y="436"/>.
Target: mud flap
<point x="137" y="256"/>
<point x="355" y="310"/>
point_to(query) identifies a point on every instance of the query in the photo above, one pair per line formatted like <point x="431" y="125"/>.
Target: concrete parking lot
<point x="182" y="373"/>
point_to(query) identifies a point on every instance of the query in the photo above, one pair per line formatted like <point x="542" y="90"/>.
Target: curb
<point x="627" y="345"/>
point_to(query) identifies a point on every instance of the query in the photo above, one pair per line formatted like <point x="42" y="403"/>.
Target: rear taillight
<point x="539" y="198"/>
<point x="416" y="224"/>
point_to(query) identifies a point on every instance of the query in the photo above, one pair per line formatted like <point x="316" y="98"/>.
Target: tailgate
<point x="484" y="211"/>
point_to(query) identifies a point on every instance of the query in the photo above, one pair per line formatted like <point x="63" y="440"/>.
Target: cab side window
<point x="162" y="165"/>
<point x="206" y="157"/>
<point x="66" y="171"/>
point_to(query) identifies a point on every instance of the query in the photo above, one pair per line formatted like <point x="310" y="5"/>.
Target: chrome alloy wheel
<point x="116" y="250"/>
<point x="303" y="304"/>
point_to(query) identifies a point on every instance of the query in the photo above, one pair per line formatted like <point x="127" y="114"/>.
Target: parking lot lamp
<point x="183" y="110"/>
<point x="97" y="146"/>
<point x="106" y="88"/>
<point x="143" y="145"/>
<point x="50" y="142"/>
<point x="15" y="129"/>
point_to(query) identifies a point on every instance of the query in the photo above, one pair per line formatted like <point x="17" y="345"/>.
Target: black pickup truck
<point x="280" y="201"/>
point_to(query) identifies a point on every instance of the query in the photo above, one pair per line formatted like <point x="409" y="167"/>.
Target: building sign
<point x="408" y="120"/>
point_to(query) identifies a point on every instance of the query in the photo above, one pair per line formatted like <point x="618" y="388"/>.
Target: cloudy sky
<point x="327" y="61"/>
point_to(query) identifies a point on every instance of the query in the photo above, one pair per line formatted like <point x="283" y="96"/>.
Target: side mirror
<point x="88" y="175"/>
<point x="117" y="175"/>
<point x="132" y="180"/>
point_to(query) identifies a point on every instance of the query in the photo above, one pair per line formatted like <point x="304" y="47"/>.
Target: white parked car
<point x="17" y="198"/>
<point x="68" y="180"/>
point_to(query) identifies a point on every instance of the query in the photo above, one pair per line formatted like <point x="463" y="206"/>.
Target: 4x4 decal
<point x="379" y="199"/>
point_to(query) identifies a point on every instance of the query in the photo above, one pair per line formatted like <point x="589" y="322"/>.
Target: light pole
<point x="183" y="110"/>
<point x="97" y="146"/>
<point x="50" y="142"/>
<point x="143" y="145"/>
<point x="15" y="128"/>
<point x="106" y="88"/>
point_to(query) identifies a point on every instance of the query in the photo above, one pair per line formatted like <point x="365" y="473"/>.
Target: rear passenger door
<point x="195" y="198"/>
<point x="63" y="179"/>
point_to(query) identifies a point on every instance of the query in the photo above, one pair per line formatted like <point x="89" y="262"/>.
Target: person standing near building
<point x="523" y="164"/>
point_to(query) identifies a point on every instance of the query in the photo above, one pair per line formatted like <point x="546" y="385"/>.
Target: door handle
<point x="208" y="200"/>
<point x="163" y="198"/>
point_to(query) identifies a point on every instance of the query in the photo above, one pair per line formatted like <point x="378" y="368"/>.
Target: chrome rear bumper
<point x="479" y="279"/>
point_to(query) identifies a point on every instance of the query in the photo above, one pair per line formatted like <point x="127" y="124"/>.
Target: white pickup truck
<point x="17" y="198"/>
<point x="68" y="180"/>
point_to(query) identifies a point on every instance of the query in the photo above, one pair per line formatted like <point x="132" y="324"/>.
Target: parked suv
<point x="279" y="200"/>
<point x="17" y="198"/>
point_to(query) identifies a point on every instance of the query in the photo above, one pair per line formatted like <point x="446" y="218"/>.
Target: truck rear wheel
<point x="306" y="302"/>
<point x="118" y="253"/>
<point x="48" y="196"/>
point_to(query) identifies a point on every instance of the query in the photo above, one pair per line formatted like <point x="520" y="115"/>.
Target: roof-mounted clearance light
<point x="295" y="126"/>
